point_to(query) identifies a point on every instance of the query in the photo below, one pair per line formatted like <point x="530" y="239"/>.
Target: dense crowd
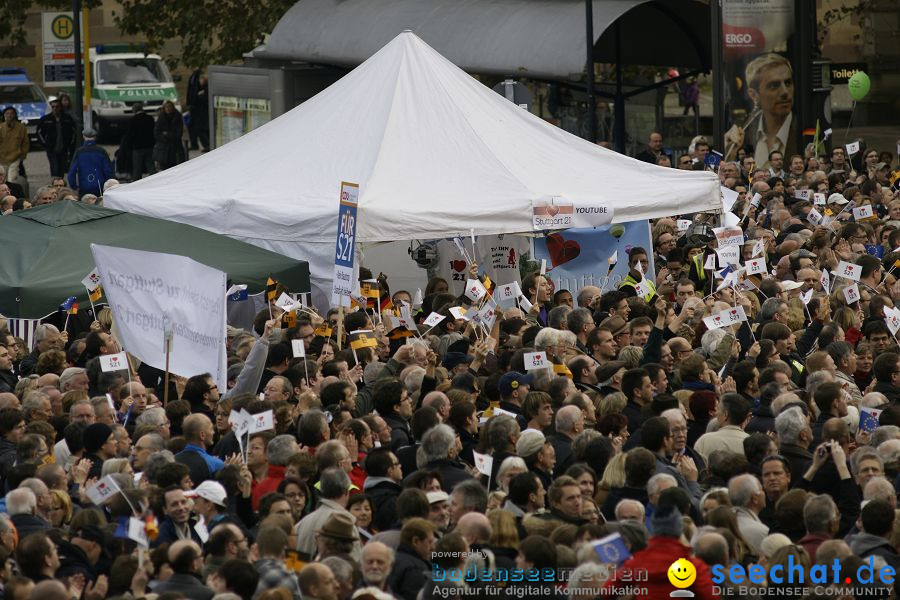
<point x="394" y="467"/>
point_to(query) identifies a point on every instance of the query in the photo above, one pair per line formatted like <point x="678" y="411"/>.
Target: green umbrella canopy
<point x="46" y="252"/>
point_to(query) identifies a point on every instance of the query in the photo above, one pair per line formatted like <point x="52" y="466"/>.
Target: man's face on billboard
<point x="776" y="91"/>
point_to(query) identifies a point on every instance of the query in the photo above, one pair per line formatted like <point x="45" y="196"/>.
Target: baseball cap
<point x="790" y="285"/>
<point x="209" y="490"/>
<point x="510" y="381"/>
<point x="89" y="133"/>
<point x="438" y="496"/>
<point x="837" y="198"/>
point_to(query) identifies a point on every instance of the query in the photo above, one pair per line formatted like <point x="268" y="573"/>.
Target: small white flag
<point x="299" y="348"/>
<point x="524" y="303"/>
<point x="475" y="290"/>
<point x="111" y="403"/>
<point x="803" y="194"/>
<point x="756" y="266"/>
<point x="863" y="212"/>
<point x="103" y="490"/>
<point x="892" y="318"/>
<point x="202" y="531"/>
<point x="710" y="263"/>
<point x="536" y="360"/>
<point x="806" y="296"/>
<point x="756" y="200"/>
<point x="734" y="315"/>
<point x="138" y="532"/>
<point x="825" y="280"/>
<point x="458" y="312"/>
<point x="758" y="248"/>
<point x="113" y="362"/>
<point x="507" y="294"/>
<point x="499" y="411"/>
<point x="484" y="462"/>
<point x="643" y="290"/>
<point x="848" y="271"/>
<point x="284" y="301"/>
<point x="730" y="255"/>
<point x="486" y="316"/>
<point x="851" y="294"/>
<point x="543" y="266"/>
<point x="715" y="321"/>
<point x="819" y="199"/>
<point x="814" y="216"/>
<point x="683" y="224"/>
<point x="852" y="148"/>
<point x="262" y="422"/>
<point x="91" y="280"/>
<point x="433" y="319"/>
<point x="613" y="258"/>
<point x="417" y="301"/>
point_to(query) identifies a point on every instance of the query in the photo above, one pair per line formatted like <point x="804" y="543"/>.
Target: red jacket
<point x="270" y="484"/>
<point x="656" y="559"/>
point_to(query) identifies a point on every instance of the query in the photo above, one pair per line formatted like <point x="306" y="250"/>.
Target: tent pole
<point x="589" y="45"/>
<point x="620" y="98"/>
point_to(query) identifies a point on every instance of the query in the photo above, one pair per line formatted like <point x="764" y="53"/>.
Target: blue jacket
<point x="90" y="169"/>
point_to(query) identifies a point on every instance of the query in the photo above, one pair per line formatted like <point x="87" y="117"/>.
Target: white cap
<point x="210" y="490"/>
<point x="439" y="496"/>
<point x="790" y="285"/>
<point x="837" y="198"/>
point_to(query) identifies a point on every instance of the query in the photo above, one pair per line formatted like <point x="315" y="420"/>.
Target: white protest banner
<point x="814" y="217"/>
<point x="507" y="294"/>
<point x="262" y="422"/>
<point x="852" y="148"/>
<point x="825" y="280"/>
<point x="892" y="318"/>
<point x="729" y="255"/>
<point x="851" y="293"/>
<point x="848" y="271"/>
<point x="103" y="490"/>
<point x="113" y="362"/>
<point x="145" y="289"/>
<point x="299" y="348"/>
<point x="137" y="531"/>
<point x="111" y="403"/>
<point x="343" y="279"/>
<point x="756" y="266"/>
<point x="555" y="212"/>
<point x="803" y="194"/>
<point x="537" y="360"/>
<point x="863" y="212"/>
<point x="729" y="236"/>
<point x="819" y="199"/>
<point x="433" y="319"/>
<point x="683" y="224"/>
<point x="458" y="312"/>
<point x="91" y="280"/>
<point x="475" y="290"/>
<point x="484" y="462"/>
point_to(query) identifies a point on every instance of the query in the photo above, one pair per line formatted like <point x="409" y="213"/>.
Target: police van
<point x="120" y="78"/>
<point x="25" y="96"/>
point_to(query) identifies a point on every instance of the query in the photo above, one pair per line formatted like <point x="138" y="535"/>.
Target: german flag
<point x="362" y="338"/>
<point x="399" y="333"/>
<point x="323" y="330"/>
<point x="271" y="286"/>
<point x="562" y="370"/>
<point x="96" y="294"/>
<point x="386" y="303"/>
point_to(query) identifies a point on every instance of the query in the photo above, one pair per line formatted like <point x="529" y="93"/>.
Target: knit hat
<point x="95" y="436"/>
<point x="530" y="442"/>
<point x="666" y="520"/>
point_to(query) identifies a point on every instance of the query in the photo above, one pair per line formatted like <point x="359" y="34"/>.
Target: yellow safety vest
<point x="630" y="281"/>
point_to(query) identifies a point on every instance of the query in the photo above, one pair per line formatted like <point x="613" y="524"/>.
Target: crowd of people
<point x="435" y="451"/>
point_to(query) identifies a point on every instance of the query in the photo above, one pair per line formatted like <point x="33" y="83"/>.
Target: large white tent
<point x="434" y="151"/>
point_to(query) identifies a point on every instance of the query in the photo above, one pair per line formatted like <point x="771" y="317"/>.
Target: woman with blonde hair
<point x="60" y="509"/>
<point x="71" y="397"/>
<point x="724" y="517"/>
<point x="116" y="465"/>
<point x="613" y="477"/>
<point x="504" y="533"/>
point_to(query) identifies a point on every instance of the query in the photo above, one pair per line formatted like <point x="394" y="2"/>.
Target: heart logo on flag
<point x="561" y="251"/>
<point x="552" y="210"/>
<point x="458" y="265"/>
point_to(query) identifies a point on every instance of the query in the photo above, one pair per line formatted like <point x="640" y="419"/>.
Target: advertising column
<point x="758" y="80"/>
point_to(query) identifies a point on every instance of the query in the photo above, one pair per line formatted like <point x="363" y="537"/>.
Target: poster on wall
<point x="759" y="79"/>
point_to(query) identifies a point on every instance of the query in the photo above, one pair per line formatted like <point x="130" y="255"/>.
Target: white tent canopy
<point x="434" y="151"/>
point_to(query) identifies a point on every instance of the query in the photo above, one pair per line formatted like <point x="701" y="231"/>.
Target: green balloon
<point x="859" y="85"/>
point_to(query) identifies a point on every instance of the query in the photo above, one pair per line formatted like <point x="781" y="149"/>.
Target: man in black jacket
<point x="383" y="486"/>
<point x="56" y="131"/>
<point x="8" y="379"/>
<point x="394" y="405"/>
<point x="139" y="137"/>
